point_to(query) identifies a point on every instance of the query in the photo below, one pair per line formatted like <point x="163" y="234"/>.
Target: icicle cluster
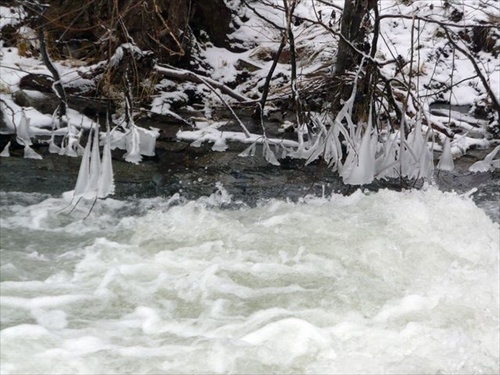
<point x="24" y="136"/>
<point x="95" y="177"/>
<point x="136" y="141"/>
<point x="358" y="155"/>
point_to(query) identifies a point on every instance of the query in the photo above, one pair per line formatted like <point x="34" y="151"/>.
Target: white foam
<point x="372" y="283"/>
<point x="284" y="341"/>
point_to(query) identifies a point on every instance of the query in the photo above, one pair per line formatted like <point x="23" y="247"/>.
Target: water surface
<point x="387" y="282"/>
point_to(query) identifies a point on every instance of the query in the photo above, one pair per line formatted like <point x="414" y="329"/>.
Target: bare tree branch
<point x="186" y="75"/>
<point x="491" y="94"/>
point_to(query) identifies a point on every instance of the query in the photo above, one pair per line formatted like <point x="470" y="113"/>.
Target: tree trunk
<point x="58" y="86"/>
<point x="354" y="31"/>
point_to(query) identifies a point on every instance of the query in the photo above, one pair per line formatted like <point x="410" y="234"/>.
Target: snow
<point x="11" y="16"/>
<point x="223" y="63"/>
<point x="211" y="133"/>
<point x="452" y="68"/>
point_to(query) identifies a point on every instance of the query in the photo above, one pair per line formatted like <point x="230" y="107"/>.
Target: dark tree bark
<point x="353" y="29"/>
<point x="58" y="86"/>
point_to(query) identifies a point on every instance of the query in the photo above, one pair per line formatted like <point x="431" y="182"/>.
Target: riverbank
<point x="191" y="171"/>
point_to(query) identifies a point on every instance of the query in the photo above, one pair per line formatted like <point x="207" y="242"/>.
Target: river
<point x="371" y="283"/>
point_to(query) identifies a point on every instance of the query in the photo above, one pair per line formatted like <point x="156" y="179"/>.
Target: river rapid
<point x="371" y="283"/>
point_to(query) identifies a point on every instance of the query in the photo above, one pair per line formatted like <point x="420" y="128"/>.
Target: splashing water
<point x="401" y="283"/>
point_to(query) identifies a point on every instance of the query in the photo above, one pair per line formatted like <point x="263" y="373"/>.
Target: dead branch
<point x="186" y="75"/>
<point x="491" y="94"/>
<point x="240" y="123"/>
<point x="437" y="22"/>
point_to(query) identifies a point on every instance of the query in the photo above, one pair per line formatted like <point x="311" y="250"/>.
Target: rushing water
<point x="387" y="282"/>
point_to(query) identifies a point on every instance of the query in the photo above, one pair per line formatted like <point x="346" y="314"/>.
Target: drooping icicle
<point x="316" y="148"/>
<point x="132" y="145"/>
<point x="95" y="168"/>
<point x="71" y="144"/>
<point x="53" y="148"/>
<point x="413" y="150"/>
<point x="220" y="144"/>
<point x="95" y="178"/>
<point x="487" y="164"/>
<point x="23" y="131"/>
<point x="426" y="160"/>
<point x="446" y="161"/>
<point x="416" y="156"/>
<point x="359" y="168"/>
<point x="387" y="163"/>
<point x="147" y="140"/>
<point x="29" y="153"/>
<point x="5" y="152"/>
<point x="249" y="151"/>
<point x="82" y="180"/>
<point x="333" y="148"/>
<point x="23" y="137"/>
<point x="269" y="154"/>
<point x="106" y="184"/>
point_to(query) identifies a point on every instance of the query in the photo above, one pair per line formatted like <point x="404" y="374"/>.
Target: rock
<point x="246" y="65"/>
<point x="38" y="82"/>
<point x="4" y="129"/>
<point x="47" y="103"/>
<point x="42" y="101"/>
<point x="262" y="54"/>
<point x="44" y="83"/>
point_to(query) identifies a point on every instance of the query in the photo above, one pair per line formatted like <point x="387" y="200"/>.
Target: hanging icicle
<point x="95" y="167"/>
<point x="23" y="137"/>
<point x="95" y="177"/>
<point x="23" y="133"/>
<point x="82" y="180"/>
<point x="446" y="161"/>
<point x="106" y="184"/>
<point x="488" y="163"/>
<point x="5" y="152"/>
<point x="132" y="145"/>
